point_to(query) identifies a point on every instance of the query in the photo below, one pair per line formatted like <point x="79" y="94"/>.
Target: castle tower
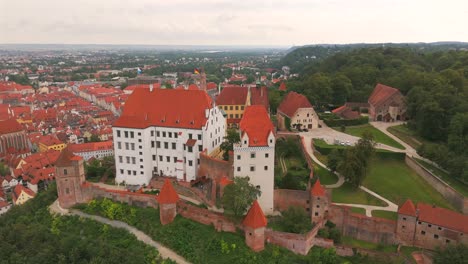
<point x="167" y="199"/>
<point x="203" y="80"/>
<point x="69" y="175"/>
<point x="254" y="227"/>
<point x="318" y="202"/>
<point x="406" y="223"/>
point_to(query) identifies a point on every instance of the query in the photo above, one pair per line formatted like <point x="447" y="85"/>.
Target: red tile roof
<point x="166" y="108"/>
<point x="225" y="181"/>
<point x="282" y="87"/>
<point x="293" y="101"/>
<point x="442" y="217"/>
<point x="92" y="146"/>
<point x="407" y="208"/>
<point x="4" y="204"/>
<point x="317" y="189"/>
<point x="346" y="112"/>
<point x="257" y="124"/>
<point x="211" y="86"/>
<point x="232" y="95"/>
<point x="10" y="126"/>
<point x="255" y="217"/>
<point x="20" y="188"/>
<point x="190" y="142"/>
<point x="381" y="93"/>
<point x="66" y="157"/>
<point x="259" y="96"/>
<point x="168" y="195"/>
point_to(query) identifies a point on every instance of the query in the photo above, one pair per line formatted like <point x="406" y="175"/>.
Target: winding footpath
<point x="369" y="208"/>
<point x="163" y="251"/>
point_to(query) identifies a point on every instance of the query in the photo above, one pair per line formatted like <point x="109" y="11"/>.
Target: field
<point x="394" y="180"/>
<point x="378" y="135"/>
<point x="325" y="176"/>
<point x="347" y="194"/>
<point x="385" y="214"/>
<point x="358" y="210"/>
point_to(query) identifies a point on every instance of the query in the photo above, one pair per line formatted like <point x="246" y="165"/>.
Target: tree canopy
<point x="239" y="195"/>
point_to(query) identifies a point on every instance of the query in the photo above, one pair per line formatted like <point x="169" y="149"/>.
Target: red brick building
<point x="386" y="104"/>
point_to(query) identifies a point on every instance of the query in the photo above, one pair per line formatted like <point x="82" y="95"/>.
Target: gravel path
<point x="163" y="251"/>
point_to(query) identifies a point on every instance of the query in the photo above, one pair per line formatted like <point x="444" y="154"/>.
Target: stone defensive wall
<point x="206" y="217"/>
<point x="284" y="198"/>
<point x="453" y="196"/>
<point x="371" y="229"/>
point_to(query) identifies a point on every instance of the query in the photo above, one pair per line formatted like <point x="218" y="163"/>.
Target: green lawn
<point x="325" y="176"/>
<point x="406" y="135"/>
<point x="378" y="135"/>
<point x="394" y="180"/>
<point x="385" y="214"/>
<point x="347" y="194"/>
<point x="456" y="184"/>
<point x="358" y="210"/>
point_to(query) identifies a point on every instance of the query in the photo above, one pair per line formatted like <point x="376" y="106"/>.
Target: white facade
<point x="4" y="208"/>
<point x="306" y="117"/>
<point x="258" y="163"/>
<point x="165" y="151"/>
<point x="97" y="154"/>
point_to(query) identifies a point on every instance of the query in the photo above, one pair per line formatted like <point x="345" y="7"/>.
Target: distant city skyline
<point x="211" y="22"/>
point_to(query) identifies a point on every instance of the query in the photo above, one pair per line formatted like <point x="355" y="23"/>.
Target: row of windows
<point x="127" y="134"/>
<point x="252" y="168"/>
<point x="252" y="155"/>
<point x="231" y="107"/>
<point x="235" y="116"/>
<point x="174" y="159"/>
<point x="130" y="172"/>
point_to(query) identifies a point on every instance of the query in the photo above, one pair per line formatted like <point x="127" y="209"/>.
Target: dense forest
<point x="30" y="234"/>
<point x="435" y="85"/>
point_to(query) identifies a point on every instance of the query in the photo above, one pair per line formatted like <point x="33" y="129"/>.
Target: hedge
<point x="325" y="149"/>
<point x="346" y="122"/>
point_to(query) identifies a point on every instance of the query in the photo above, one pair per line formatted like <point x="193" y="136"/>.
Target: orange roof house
<point x="297" y="108"/>
<point x="259" y="96"/>
<point x="256" y="124"/>
<point x="386" y="104"/>
<point x="22" y="194"/>
<point x="165" y="108"/>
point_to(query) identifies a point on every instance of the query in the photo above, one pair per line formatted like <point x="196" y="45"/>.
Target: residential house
<point x="296" y="112"/>
<point x="22" y="194"/>
<point x="233" y="100"/>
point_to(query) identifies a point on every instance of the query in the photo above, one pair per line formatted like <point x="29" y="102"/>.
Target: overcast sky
<point x="223" y="22"/>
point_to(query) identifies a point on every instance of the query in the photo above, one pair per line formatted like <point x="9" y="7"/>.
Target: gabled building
<point x="233" y="100"/>
<point x="386" y="104"/>
<point x="13" y="138"/>
<point x="162" y="132"/>
<point x="93" y="149"/>
<point x="296" y="112"/>
<point x="254" y="155"/>
<point x="50" y="142"/>
<point x="22" y="194"/>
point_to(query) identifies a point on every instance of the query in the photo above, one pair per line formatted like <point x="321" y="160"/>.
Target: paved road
<point x="163" y="251"/>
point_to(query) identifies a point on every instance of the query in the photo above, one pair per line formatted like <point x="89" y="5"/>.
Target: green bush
<point x="331" y="122"/>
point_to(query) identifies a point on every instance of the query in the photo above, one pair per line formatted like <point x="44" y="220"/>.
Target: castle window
<point x="118" y="133"/>
<point x="238" y="168"/>
<point x="152" y="133"/>
<point x="318" y="206"/>
<point x="266" y="155"/>
<point x="139" y="140"/>
<point x="175" y="159"/>
<point x="121" y="171"/>
<point x="423" y="232"/>
<point x="440" y="228"/>
<point x="120" y="159"/>
<point x="134" y="173"/>
<point x="141" y="153"/>
<point x="419" y="222"/>
<point x="307" y="201"/>
<point x="133" y="160"/>
<point x="266" y="167"/>
<point x="252" y="155"/>
<point x="154" y="157"/>
<point x="126" y="145"/>
<point x="252" y="168"/>
<point x="200" y="148"/>
<point x="429" y="225"/>
<point x="133" y="146"/>
<point x="158" y="144"/>
<point x="132" y="134"/>
<point x="164" y="134"/>
<point x="140" y="146"/>
<point x="170" y="134"/>
<point x="158" y="134"/>
<point x="126" y="134"/>
<point x="237" y="107"/>
<point x="139" y="133"/>
<point x="403" y="227"/>
<point x="119" y="145"/>
<point x="436" y="236"/>
<point x="65" y="172"/>
<point x="199" y="136"/>
<point x="190" y="163"/>
<point x="160" y="158"/>
<point x="173" y="145"/>
<point x="67" y="190"/>
<point x="190" y="135"/>
<point x="175" y="135"/>
<point x="447" y="241"/>
<point x="316" y="213"/>
<point x="238" y="157"/>
<point x="404" y="218"/>
<point x="168" y="159"/>
<point x="190" y="149"/>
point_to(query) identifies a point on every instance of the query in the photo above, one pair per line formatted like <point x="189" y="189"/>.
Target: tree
<point x="296" y="220"/>
<point x="239" y="195"/>
<point x="334" y="159"/>
<point x="94" y="138"/>
<point x="452" y="254"/>
<point x="458" y="133"/>
<point x="355" y="162"/>
<point x="230" y="139"/>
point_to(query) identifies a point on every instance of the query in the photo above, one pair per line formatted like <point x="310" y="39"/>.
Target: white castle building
<point x="162" y="132"/>
<point x="254" y="156"/>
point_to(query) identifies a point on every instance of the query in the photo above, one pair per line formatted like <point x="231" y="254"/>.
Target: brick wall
<point x="206" y="217"/>
<point x="449" y="193"/>
<point x="132" y="198"/>
<point x="372" y="229"/>
<point x="284" y="198"/>
<point x="297" y="243"/>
